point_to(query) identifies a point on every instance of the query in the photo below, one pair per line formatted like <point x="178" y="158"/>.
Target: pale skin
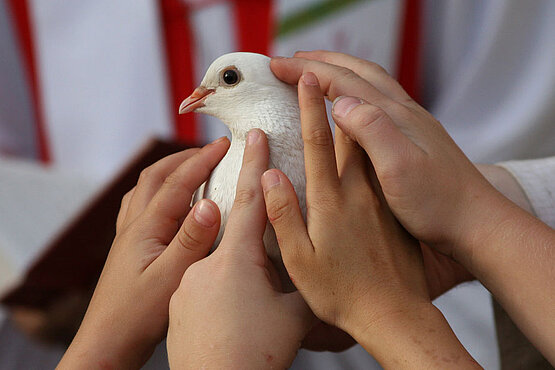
<point x="435" y="191"/>
<point x="158" y="237"/>
<point x="354" y="264"/>
<point x="229" y="311"/>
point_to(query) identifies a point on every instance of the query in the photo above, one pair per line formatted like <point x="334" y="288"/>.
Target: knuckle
<point x="319" y="137"/>
<point x="391" y="173"/>
<point x="244" y="197"/>
<point x="315" y="102"/>
<point x="369" y="116"/>
<point x="126" y="198"/>
<point x="324" y="205"/>
<point x="190" y="239"/>
<point x="172" y="181"/>
<point x="250" y="158"/>
<point x="147" y="174"/>
<point x="402" y="111"/>
<point x="375" y="68"/>
<point x="345" y="73"/>
<point x="278" y="209"/>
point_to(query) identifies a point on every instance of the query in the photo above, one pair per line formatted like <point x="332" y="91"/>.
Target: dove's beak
<point x="195" y="100"/>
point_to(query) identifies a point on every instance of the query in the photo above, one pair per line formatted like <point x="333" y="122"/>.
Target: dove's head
<point x="241" y="90"/>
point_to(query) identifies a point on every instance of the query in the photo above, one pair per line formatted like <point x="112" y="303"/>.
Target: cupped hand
<point x="158" y="237"/>
<point x="229" y="311"/>
<point x="428" y="182"/>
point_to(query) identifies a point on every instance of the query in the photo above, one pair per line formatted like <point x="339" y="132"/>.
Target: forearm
<point x="93" y="351"/>
<point x="506" y="184"/>
<point x="513" y="253"/>
<point x="420" y="338"/>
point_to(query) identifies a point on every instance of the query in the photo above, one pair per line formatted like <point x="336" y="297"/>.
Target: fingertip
<point x="343" y="105"/>
<point x="224" y="140"/>
<point x="254" y="136"/>
<point x="206" y="213"/>
<point x="310" y="79"/>
<point x="276" y="63"/>
<point x="270" y="179"/>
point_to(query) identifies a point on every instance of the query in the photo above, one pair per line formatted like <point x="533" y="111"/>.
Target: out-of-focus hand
<point x="354" y="264"/>
<point x="229" y="311"/>
<point x="158" y="237"/>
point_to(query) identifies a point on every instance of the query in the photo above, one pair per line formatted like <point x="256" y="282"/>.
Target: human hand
<point x="436" y="192"/>
<point x="229" y="311"/>
<point x="441" y="271"/>
<point x="354" y="264"/>
<point x="431" y="187"/>
<point x="157" y="238"/>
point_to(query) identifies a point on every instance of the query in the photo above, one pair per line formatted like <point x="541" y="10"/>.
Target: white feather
<point x="261" y="101"/>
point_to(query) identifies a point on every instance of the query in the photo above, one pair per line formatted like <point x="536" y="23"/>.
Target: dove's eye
<point x="230" y="76"/>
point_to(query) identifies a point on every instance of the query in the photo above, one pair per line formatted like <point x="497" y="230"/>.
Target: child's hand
<point x="157" y="238"/>
<point x="229" y="311"/>
<point x="354" y="264"/>
<point x="427" y="181"/>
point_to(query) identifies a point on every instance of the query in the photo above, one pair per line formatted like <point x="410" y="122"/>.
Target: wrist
<point x="480" y="212"/>
<point x="111" y="349"/>
<point x="417" y="336"/>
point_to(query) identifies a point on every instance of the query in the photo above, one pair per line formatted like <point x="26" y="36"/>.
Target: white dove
<point x="241" y="90"/>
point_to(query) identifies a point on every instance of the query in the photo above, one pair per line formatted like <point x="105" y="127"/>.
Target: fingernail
<point x="310" y="79"/>
<point x="253" y="136"/>
<point x="278" y="57"/>
<point x="344" y="104"/>
<point x="204" y="213"/>
<point x="219" y="140"/>
<point x="270" y="179"/>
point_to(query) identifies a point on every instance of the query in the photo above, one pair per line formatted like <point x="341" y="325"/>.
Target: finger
<point x="352" y="161"/>
<point x="319" y="153"/>
<point x="172" y="201"/>
<point x="247" y="220"/>
<point x="282" y="207"/>
<point x="374" y="131"/>
<point x="191" y="243"/>
<point x="334" y="81"/>
<point x="151" y="178"/>
<point x="371" y="72"/>
<point x="123" y="209"/>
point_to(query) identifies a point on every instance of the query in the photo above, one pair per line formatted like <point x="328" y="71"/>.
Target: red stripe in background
<point x="409" y="60"/>
<point x="20" y="15"/>
<point x="179" y="45"/>
<point x="254" y="22"/>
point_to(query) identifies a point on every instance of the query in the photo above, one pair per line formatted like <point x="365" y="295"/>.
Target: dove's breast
<point x="221" y="187"/>
<point x="223" y="182"/>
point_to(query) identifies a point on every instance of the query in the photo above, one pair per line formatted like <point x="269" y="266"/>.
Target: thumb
<point x="193" y="240"/>
<point x="374" y="130"/>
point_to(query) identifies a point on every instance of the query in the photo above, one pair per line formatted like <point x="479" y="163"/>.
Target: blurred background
<point x="89" y="93"/>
